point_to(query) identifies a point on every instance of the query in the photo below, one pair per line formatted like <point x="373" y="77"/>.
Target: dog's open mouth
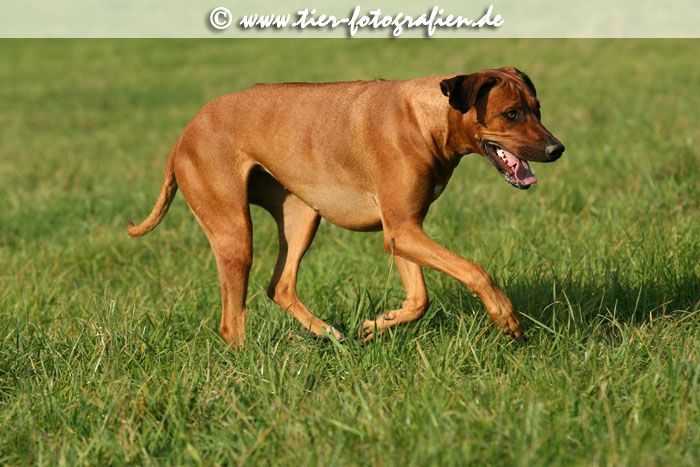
<point x="515" y="170"/>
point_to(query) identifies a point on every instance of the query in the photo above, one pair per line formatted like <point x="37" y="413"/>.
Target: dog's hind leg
<point x="296" y="225"/>
<point x="216" y="191"/>
<point x="412" y="308"/>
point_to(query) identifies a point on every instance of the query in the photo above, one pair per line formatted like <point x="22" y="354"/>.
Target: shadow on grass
<point x="581" y="307"/>
<point x="576" y="307"/>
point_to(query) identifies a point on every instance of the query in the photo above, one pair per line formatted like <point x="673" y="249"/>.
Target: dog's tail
<point x="165" y="197"/>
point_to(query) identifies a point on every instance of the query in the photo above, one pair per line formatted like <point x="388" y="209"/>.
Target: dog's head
<point x="501" y="111"/>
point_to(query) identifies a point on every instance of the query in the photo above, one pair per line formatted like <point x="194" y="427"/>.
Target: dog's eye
<point x="511" y="115"/>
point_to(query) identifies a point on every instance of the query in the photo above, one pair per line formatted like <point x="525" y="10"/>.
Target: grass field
<point x="109" y="352"/>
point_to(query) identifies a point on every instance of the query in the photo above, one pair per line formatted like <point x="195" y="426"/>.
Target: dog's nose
<point x="554" y="151"/>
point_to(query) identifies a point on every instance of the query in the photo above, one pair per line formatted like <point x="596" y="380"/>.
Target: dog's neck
<point x="441" y="126"/>
<point x="457" y="142"/>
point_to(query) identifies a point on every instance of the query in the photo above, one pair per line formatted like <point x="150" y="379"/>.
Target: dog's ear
<point x="464" y="90"/>
<point x="528" y="81"/>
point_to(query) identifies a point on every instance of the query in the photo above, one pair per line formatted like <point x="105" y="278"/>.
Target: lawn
<point x="109" y="346"/>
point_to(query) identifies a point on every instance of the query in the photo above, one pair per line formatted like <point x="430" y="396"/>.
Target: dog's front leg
<point x="408" y="241"/>
<point x="412" y="308"/>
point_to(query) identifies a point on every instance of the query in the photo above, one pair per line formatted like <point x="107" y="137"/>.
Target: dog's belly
<point x="343" y="204"/>
<point x="346" y="208"/>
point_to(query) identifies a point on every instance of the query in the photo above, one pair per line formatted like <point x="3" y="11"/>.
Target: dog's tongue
<point x="521" y="169"/>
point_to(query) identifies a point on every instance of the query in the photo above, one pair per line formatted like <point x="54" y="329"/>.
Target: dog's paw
<point x="521" y="339"/>
<point x="371" y="328"/>
<point x="367" y="330"/>
<point x="335" y="333"/>
<point x="512" y="327"/>
<point x="328" y="333"/>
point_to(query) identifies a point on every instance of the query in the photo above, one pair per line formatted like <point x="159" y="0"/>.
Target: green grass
<point x="109" y="352"/>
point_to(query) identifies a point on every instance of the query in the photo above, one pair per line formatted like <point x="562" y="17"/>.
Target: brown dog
<point x="366" y="156"/>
